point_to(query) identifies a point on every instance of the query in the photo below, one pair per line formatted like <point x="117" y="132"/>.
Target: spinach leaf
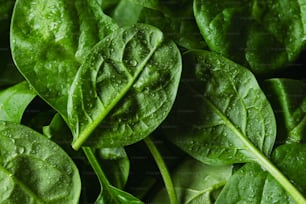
<point x="108" y="5"/>
<point x="288" y="100"/>
<point x="195" y="182"/>
<point x="50" y="40"/>
<point x="221" y="116"/>
<point x="175" y="20"/>
<point x="14" y="100"/>
<point x="109" y="194"/>
<point x="33" y="169"/>
<point x="252" y="184"/>
<point x="126" y="13"/>
<point x="168" y="7"/>
<point x="264" y="36"/>
<point x="230" y="120"/>
<point x="116" y="164"/>
<point x="124" y="89"/>
<point x="58" y="131"/>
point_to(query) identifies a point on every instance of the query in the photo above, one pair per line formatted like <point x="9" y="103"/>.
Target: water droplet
<point x="3" y="123"/>
<point x="69" y="171"/>
<point x="12" y="140"/>
<point x="20" y="150"/>
<point x="133" y="63"/>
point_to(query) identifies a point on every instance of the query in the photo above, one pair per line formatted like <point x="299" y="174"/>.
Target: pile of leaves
<point x="150" y="101"/>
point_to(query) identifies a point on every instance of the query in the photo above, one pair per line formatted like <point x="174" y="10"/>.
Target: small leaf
<point x="116" y="164"/>
<point x="14" y="100"/>
<point x="33" y="169"/>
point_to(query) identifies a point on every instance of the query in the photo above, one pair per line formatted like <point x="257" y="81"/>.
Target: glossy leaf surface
<point x="125" y="88"/>
<point x="263" y="36"/>
<point x="33" y="169"/>
<point x="50" y="40"/>
<point x="221" y="115"/>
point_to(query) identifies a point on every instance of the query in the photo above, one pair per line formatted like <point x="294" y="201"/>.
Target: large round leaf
<point x="125" y="88"/>
<point x="221" y="115"/>
<point x="33" y="169"/>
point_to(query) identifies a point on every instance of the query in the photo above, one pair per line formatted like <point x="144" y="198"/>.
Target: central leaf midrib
<point x="21" y="184"/>
<point x="86" y="133"/>
<point x="259" y="157"/>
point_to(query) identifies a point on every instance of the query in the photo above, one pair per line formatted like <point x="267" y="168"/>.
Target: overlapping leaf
<point x="264" y="36"/>
<point x="125" y="88"/>
<point x="221" y="114"/>
<point x="265" y="189"/>
<point x="51" y="39"/>
<point x="288" y="100"/>
<point x="33" y="169"/>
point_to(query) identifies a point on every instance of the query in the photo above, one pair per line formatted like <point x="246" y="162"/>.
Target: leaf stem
<point x="279" y="176"/>
<point x="163" y="170"/>
<point x="96" y="166"/>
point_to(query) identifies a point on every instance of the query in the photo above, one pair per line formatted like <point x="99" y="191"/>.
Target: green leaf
<point x="116" y="164"/>
<point x="288" y="99"/>
<point x="221" y="116"/>
<point x="195" y="182"/>
<point x="58" y="131"/>
<point x="181" y="27"/>
<point x="126" y="13"/>
<point x="125" y="88"/>
<point x="167" y="7"/>
<point x="50" y="40"/>
<point x="33" y="169"/>
<point x="152" y="4"/>
<point x="264" y="36"/>
<point x="14" y="100"/>
<point x="252" y="184"/>
<point x="109" y="194"/>
<point x="175" y="20"/>
<point x="227" y="118"/>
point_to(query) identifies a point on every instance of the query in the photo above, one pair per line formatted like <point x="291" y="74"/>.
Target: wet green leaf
<point x="33" y="169"/>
